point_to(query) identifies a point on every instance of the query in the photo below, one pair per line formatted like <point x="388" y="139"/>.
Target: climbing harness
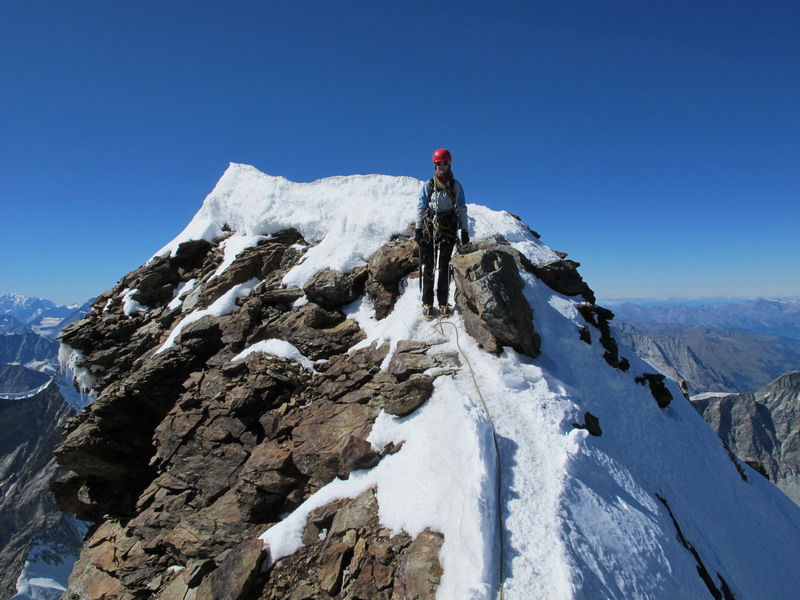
<point x="439" y="327"/>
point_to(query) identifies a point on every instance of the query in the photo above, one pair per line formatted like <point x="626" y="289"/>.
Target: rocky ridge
<point x="190" y="448"/>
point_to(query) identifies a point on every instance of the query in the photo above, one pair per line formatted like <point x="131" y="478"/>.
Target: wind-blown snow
<point x="278" y="348"/>
<point x="129" y="305"/>
<point x="580" y="516"/>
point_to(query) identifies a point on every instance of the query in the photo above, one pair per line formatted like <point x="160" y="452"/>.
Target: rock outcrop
<point x="762" y="429"/>
<point x="491" y="299"/>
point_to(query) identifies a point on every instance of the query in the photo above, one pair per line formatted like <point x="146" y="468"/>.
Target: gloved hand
<point x="418" y="235"/>
<point x="464" y="236"/>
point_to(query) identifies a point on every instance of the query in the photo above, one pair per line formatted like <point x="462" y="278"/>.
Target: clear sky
<point x="658" y="143"/>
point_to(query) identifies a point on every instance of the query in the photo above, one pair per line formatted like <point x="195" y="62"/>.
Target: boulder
<point x="492" y="303"/>
<point x="331" y="288"/>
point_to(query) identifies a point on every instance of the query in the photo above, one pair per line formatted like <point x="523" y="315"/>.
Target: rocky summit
<point x="272" y="418"/>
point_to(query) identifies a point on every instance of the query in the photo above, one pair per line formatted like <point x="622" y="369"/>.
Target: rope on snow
<point x="440" y="328"/>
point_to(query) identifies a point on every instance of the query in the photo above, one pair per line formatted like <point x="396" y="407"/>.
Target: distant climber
<point x="441" y="212"/>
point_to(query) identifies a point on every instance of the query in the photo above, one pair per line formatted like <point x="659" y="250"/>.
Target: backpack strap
<point x="451" y="187"/>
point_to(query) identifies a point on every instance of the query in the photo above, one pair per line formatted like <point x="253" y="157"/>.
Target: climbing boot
<point x="427" y="311"/>
<point x="444" y="311"/>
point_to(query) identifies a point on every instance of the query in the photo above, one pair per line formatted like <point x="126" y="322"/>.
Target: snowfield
<point x="525" y="500"/>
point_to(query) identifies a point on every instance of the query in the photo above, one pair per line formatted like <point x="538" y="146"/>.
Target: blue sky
<point x="657" y="143"/>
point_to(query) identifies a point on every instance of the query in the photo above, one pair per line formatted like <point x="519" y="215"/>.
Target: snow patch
<point x="232" y="247"/>
<point x="221" y="307"/>
<point x="181" y="291"/>
<point x="278" y="348"/>
<point x="129" y="305"/>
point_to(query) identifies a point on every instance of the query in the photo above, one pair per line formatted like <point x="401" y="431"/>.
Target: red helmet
<point x="442" y="155"/>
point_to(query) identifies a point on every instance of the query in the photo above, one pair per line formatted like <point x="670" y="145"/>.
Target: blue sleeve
<point x="461" y="206"/>
<point x="422" y="206"/>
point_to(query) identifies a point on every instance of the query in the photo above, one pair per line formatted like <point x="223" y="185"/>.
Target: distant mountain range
<point x="771" y="317"/>
<point x="20" y="314"/>
<point x="38" y="543"/>
<point x="717" y="348"/>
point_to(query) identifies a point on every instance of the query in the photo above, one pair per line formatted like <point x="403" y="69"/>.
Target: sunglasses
<point x="441" y="164"/>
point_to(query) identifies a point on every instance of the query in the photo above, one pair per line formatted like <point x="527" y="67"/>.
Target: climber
<point x="441" y="212"/>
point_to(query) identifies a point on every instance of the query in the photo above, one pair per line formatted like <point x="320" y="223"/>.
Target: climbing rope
<point x="439" y="327"/>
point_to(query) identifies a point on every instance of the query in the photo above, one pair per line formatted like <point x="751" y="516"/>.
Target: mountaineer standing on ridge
<point x="441" y="212"/>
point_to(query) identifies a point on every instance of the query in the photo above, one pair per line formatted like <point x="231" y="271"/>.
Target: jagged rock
<point x="600" y="318"/>
<point x="254" y="262"/>
<point x="357" y="454"/>
<point x="190" y="254"/>
<point x="590" y="424"/>
<point x="386" y="269"/>
<point x="349" y="555"/>
<point x="186" y="452"/>
<point x="331" y="288"/>
<point x="419" y="571"/>
<point x="411" y="394"/>
<point x="563" y="277"/>
<point x="657" y="387"/>
<point x="493" y="306"/>
<point x="393" y="261"/>
<point x="236" y="574"/>
<point x="317" y="332"/>
<point x="153" y="282"/>
<point x="211" y="451"/>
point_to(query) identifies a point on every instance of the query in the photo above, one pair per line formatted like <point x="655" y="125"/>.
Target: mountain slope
<point x="761" y="428"/>
<point x="27" y="349"/>
<point x="16" y="378"/>
<point x="31" y="431"/>
<point x="279" y="380"/>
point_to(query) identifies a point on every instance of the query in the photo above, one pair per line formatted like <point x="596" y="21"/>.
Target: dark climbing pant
<point x="436" y="257"/>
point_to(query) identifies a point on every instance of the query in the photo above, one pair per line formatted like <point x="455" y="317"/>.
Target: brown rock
<point x="419" y="571"/>
<point x="409" y="395"/>
<point x="236" y="574"/>
<point x="412" y="357"/>
<point x="332" y="288"/>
